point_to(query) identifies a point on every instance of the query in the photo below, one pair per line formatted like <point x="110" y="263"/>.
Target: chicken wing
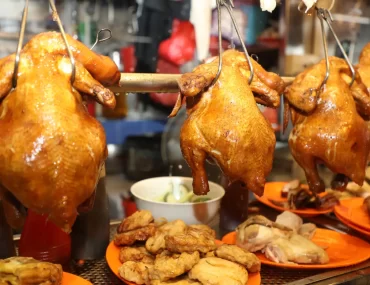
<point x="137" y="220"/>
<point x="136" y="272"/>
<point x="130" y="237"/>
<point x="138" y="254"/>
<point x="327" y="127"/>
<point x="224" y="122"/>
<point x="51" y="149"/>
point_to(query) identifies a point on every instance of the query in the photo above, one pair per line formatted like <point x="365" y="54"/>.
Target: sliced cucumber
<point x="197" y="199"/>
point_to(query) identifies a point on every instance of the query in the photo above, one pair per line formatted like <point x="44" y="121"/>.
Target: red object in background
<point x="180" y="47"/>
<point x="43" y="240"/>
<point x="128" y="58"/>
<point x="91" y="108"/>
<point x="129" y="206"/>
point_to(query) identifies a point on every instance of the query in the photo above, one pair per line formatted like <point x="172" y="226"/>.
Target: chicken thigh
<point x="327" y="127"/>
<point x="51" y="149"/>
<point x="224" y="122"/>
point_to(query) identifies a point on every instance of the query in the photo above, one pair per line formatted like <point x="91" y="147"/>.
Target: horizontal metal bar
<point x="155" y="82"/>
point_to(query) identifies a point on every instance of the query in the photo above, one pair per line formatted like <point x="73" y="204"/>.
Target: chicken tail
<point x="177" y="106"/>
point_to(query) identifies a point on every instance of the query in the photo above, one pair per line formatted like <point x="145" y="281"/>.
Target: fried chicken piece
<point x="130" y="237"/>
<point x="156" y="244"/>
<point x="191" y="240"/>
<point x="168" y="265"/>
<point x="204" y="228"/>
<point x="137" y="220"/>
<point x="136" y="272"/>
<point x="327" y="127"/>
<point x="51" y="150"/>
<point x="217" y="271"/>
<point x="183" y="280"/>
<point x="135" y="254"/>
<point x="29" y="271"/>
<point x="239" y="255"/>
<point x="224" y="122"/>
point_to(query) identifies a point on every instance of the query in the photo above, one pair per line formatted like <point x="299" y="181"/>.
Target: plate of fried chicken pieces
<point x="290" y="243"/>
<point x="27" y="270"/>
<point x="158" y="252"/>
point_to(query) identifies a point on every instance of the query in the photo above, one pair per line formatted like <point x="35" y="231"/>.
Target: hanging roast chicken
<point x="224" y="122"/>
<point x="327" y="126"/>
<point x="51" y="149"/>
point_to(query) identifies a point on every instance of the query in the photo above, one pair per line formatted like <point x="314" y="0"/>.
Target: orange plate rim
<point x="365" y="255"/>
<point x="276" y="186"/>
<point x="112" y="257"/>
<point x="355" y="204"/>
<point x="350" y="224"/>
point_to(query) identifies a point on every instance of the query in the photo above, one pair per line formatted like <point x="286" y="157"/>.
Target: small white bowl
<point x="146" y="191"/>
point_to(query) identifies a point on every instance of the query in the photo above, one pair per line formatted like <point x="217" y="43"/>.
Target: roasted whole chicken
<point x="51" y="149"/>
<point x="328" y="124"/>
<point x="224" y="123"/>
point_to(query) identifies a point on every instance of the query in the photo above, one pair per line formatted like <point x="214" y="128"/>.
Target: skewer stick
<point x="155" y="82"/>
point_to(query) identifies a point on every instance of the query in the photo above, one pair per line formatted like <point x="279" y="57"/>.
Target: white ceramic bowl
<point x="146" y="191"/>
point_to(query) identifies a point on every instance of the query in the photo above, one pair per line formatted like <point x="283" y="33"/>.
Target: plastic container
<point x="44" y="241"/>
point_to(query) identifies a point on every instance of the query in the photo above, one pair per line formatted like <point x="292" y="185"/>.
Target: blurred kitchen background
<point x="173" y="36"/>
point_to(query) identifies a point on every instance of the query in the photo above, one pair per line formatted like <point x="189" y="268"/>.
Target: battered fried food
<point x="137" y="220"/>
<point x="168" y="265"/>
<point x="204" y="228"/>
<point x="135" y="254"/>
<point x="191" y="240"/>
<point x="184" y="280"/>
<point x="130" y="237"/>
<point x="157" y="244"/>
<point x="239" y="255"/>
<point x="137" y="272"/>
<point x="29" y="271"/>
<point x="217" y="271"/>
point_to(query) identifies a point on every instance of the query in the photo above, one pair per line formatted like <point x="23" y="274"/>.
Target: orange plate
<point x="273" y="191"/>
<point x="343" y="250"/>
<point x="112" y="257"/>
<point x="352" y="211"/>
<point x="350" y="224"/>
<point x="70" y="279"/>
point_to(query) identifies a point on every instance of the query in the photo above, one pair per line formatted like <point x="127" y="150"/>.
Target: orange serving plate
<point x="343" y="250"/>
<point x="352" y="210"/>
<point x="351" y="225"/>
<point x="273" y="191"/>
<point x="71" y="279"/>
<point x="112" y="257"/>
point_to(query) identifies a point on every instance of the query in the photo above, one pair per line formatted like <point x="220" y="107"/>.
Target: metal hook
<point x="20" y="43"/>
<point x="327" y="17"/>
<point x="103" y="39"/>
<point x="321" y="16"/>
<point x="229" y="7"/>
<point x="60" y="25"/>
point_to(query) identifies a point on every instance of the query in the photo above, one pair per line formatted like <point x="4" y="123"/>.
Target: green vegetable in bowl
<point x="180" y="194"/>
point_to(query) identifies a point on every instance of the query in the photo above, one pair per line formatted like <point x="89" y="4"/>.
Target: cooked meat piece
<point x="257" y="232"/>
<point x="136" y="272"/>
<point x="137" y="220"/>
<point x="183" y="280"/>
<point x="191" y="240"/>
<point x="129" y="238"/>
<point x="204" y="228"/>
<point x="224" y="122"/>
<point x="307" y="230"/>
<point x="289" y="220"/>
<point x="327" y="127"/>
<point x="135" y="254"/>
<point x="217" y="271"/>
<point x="51" y="149"/>
<point x="296" y="249"/>
<point x="239" y="255"/>
<point x="156" y="244"/>
<point x="168" y="265"/>
<point x="363" y="67"/>
<point x="28" y="271"/>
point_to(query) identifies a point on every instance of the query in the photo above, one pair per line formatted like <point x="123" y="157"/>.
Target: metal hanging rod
<point x="155" y="82"/>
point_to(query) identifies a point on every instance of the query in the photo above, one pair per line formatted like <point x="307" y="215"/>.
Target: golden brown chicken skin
<point x="224" y="122"/>
<point x="51" y="149"/>
<point x="327" y="126"/>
